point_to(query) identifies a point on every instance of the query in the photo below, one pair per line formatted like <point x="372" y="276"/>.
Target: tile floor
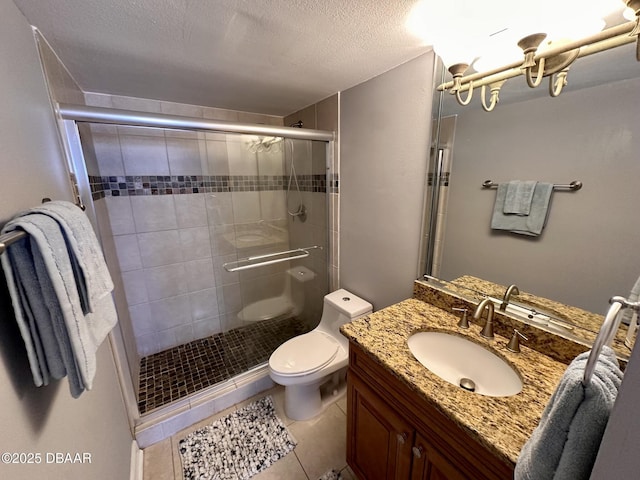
<point x="321" y="445"/>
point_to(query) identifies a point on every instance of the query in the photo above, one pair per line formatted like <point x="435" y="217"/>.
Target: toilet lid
<point x="303" y="354"/>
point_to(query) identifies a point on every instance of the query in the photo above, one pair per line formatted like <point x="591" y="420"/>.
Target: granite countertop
<point x="502" y="424"/>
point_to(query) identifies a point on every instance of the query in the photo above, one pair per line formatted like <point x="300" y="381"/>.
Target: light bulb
<point x="498" y="57"/>
<point x="629" y="14"/>
<point x="452" y="53"/>
<point x="500" y="49"/>
<point x="575" y="28"/>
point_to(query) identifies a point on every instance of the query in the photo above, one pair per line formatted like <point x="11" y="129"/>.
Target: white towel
<point x="565" y="443"/>
<point x="78" y="333"/>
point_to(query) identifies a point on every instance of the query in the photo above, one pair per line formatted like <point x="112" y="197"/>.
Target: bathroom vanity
<point x="405" y="422"/>
<point x="393" y="434"/>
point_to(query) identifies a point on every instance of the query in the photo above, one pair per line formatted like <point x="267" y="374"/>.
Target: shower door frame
<point x="69" y="114"/>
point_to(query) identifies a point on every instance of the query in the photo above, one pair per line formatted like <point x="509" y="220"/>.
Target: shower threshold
<point x="173" y="374"/>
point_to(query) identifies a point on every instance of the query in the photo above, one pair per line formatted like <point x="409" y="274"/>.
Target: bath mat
<point x="237" y="446"/>
<point x="331" y="475"/>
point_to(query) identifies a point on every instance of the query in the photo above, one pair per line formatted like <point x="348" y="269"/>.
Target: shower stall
<point x="219" y="234"/>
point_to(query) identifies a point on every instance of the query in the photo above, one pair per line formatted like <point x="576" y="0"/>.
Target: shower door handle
<point x="264" y="260"/>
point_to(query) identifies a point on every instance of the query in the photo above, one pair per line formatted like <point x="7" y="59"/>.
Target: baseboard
<point x="137" y="462"/>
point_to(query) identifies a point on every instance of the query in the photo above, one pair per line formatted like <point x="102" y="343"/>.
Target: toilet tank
<point x="341" y="307"/>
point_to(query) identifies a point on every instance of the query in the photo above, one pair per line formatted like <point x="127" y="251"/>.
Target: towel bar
<point x="8" y="238"/>
<point x="575" y="185"/>
<point x="607" y="333"/>
<point x="236" y="267"/>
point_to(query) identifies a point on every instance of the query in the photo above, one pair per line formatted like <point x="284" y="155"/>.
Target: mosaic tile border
<point x="121" y="186"/>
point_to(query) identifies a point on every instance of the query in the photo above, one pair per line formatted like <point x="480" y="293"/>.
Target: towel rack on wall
<point x="607" y="333"/>
<point x="8" y="238"/>
<point x="268" y="259"/>
<point x="575" y="185"/>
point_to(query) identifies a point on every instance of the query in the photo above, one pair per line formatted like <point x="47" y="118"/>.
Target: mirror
<point x="587" y="252"/>
<point x="569" y="322"/>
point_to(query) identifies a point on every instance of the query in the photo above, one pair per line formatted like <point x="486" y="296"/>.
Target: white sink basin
<point x="456" y="360"/>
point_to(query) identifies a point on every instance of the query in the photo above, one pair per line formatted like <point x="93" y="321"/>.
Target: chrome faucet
<point x="487" y="330"/>
<point x="512" y="290"/>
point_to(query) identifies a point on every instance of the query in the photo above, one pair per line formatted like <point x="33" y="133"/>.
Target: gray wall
<point x="44" y="419"/>
<point x="384" y="144"/>
<point x="589" y="249"/>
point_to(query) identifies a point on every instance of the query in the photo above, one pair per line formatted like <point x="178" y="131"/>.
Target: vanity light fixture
<point x="543" y="57"/>
<point x="457" y="71"/>
<point x="529" y="46"/>
<point x="494" y="89"/>
<point x="634" y="6"/>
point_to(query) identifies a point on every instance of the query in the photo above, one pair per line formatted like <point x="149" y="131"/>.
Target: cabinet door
<point x="428" y="464"/>
<point x="378" y="440"/>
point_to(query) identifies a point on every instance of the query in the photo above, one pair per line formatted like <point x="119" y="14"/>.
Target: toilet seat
<point x="304" y="354"/>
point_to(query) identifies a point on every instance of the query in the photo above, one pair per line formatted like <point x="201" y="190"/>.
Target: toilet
<point x="312" y="367"/>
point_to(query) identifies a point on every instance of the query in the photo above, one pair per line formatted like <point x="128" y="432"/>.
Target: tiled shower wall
<point x="177" y="206"/>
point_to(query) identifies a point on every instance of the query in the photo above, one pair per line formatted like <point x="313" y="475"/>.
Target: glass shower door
<point x="276" y="274"/>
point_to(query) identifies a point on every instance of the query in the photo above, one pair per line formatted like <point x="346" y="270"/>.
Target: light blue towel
<point x="33" y="308"/>
<point x="565" y="443"/>
<point x="23" y="314"/>
<point x="78" y="333"/>
<point x="32" y="300"/>
<point x="90" y="270"/>
<point x="56" y="323"/>
<point x="519" y="196"/>
<point x="41" y="268"/>
<point x="531" y="224"/>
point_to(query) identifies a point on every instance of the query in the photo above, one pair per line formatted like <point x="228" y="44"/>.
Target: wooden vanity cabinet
<point x="392" y="434"/>
<point x="379" y="439"/>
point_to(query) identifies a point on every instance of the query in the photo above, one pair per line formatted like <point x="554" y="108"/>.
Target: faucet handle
<point x="514" y="343"/>
<point x="464" y="320"/>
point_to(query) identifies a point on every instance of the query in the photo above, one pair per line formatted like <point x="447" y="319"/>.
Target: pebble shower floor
<point x="180" y="371"/>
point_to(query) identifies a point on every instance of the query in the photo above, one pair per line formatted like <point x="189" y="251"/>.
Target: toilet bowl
<point x="312" y="366"/>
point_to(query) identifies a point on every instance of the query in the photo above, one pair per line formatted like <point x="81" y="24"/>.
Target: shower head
<point x="298" y="124"/>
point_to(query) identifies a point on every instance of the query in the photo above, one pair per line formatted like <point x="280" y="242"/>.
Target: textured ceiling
<point x="267" y="56"/>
